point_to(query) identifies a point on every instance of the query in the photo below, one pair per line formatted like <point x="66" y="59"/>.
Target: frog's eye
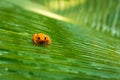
<point x="38" y="38"/>
<point x="45" y="38"/>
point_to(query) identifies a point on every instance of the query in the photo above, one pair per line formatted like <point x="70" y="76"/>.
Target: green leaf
<point x="101" y="15"/>
<point x="77" y="52"/>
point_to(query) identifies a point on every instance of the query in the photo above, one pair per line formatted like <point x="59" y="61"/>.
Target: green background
<point x="85" y="42"/>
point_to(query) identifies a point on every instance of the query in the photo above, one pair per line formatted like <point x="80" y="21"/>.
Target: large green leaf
<point x="76" y="53"/>
<point x="99" y="14"/>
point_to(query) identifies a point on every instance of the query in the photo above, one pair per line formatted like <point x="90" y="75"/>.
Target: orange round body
<point x="41" y="38"/>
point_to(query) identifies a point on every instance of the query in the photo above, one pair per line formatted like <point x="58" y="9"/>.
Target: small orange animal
<point x="41" y="39"/>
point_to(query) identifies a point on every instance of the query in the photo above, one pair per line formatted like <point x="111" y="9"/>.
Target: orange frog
<point x="41" y="39"/>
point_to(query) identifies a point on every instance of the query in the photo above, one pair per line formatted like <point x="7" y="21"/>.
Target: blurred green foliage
<point x="78" y="51"/>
